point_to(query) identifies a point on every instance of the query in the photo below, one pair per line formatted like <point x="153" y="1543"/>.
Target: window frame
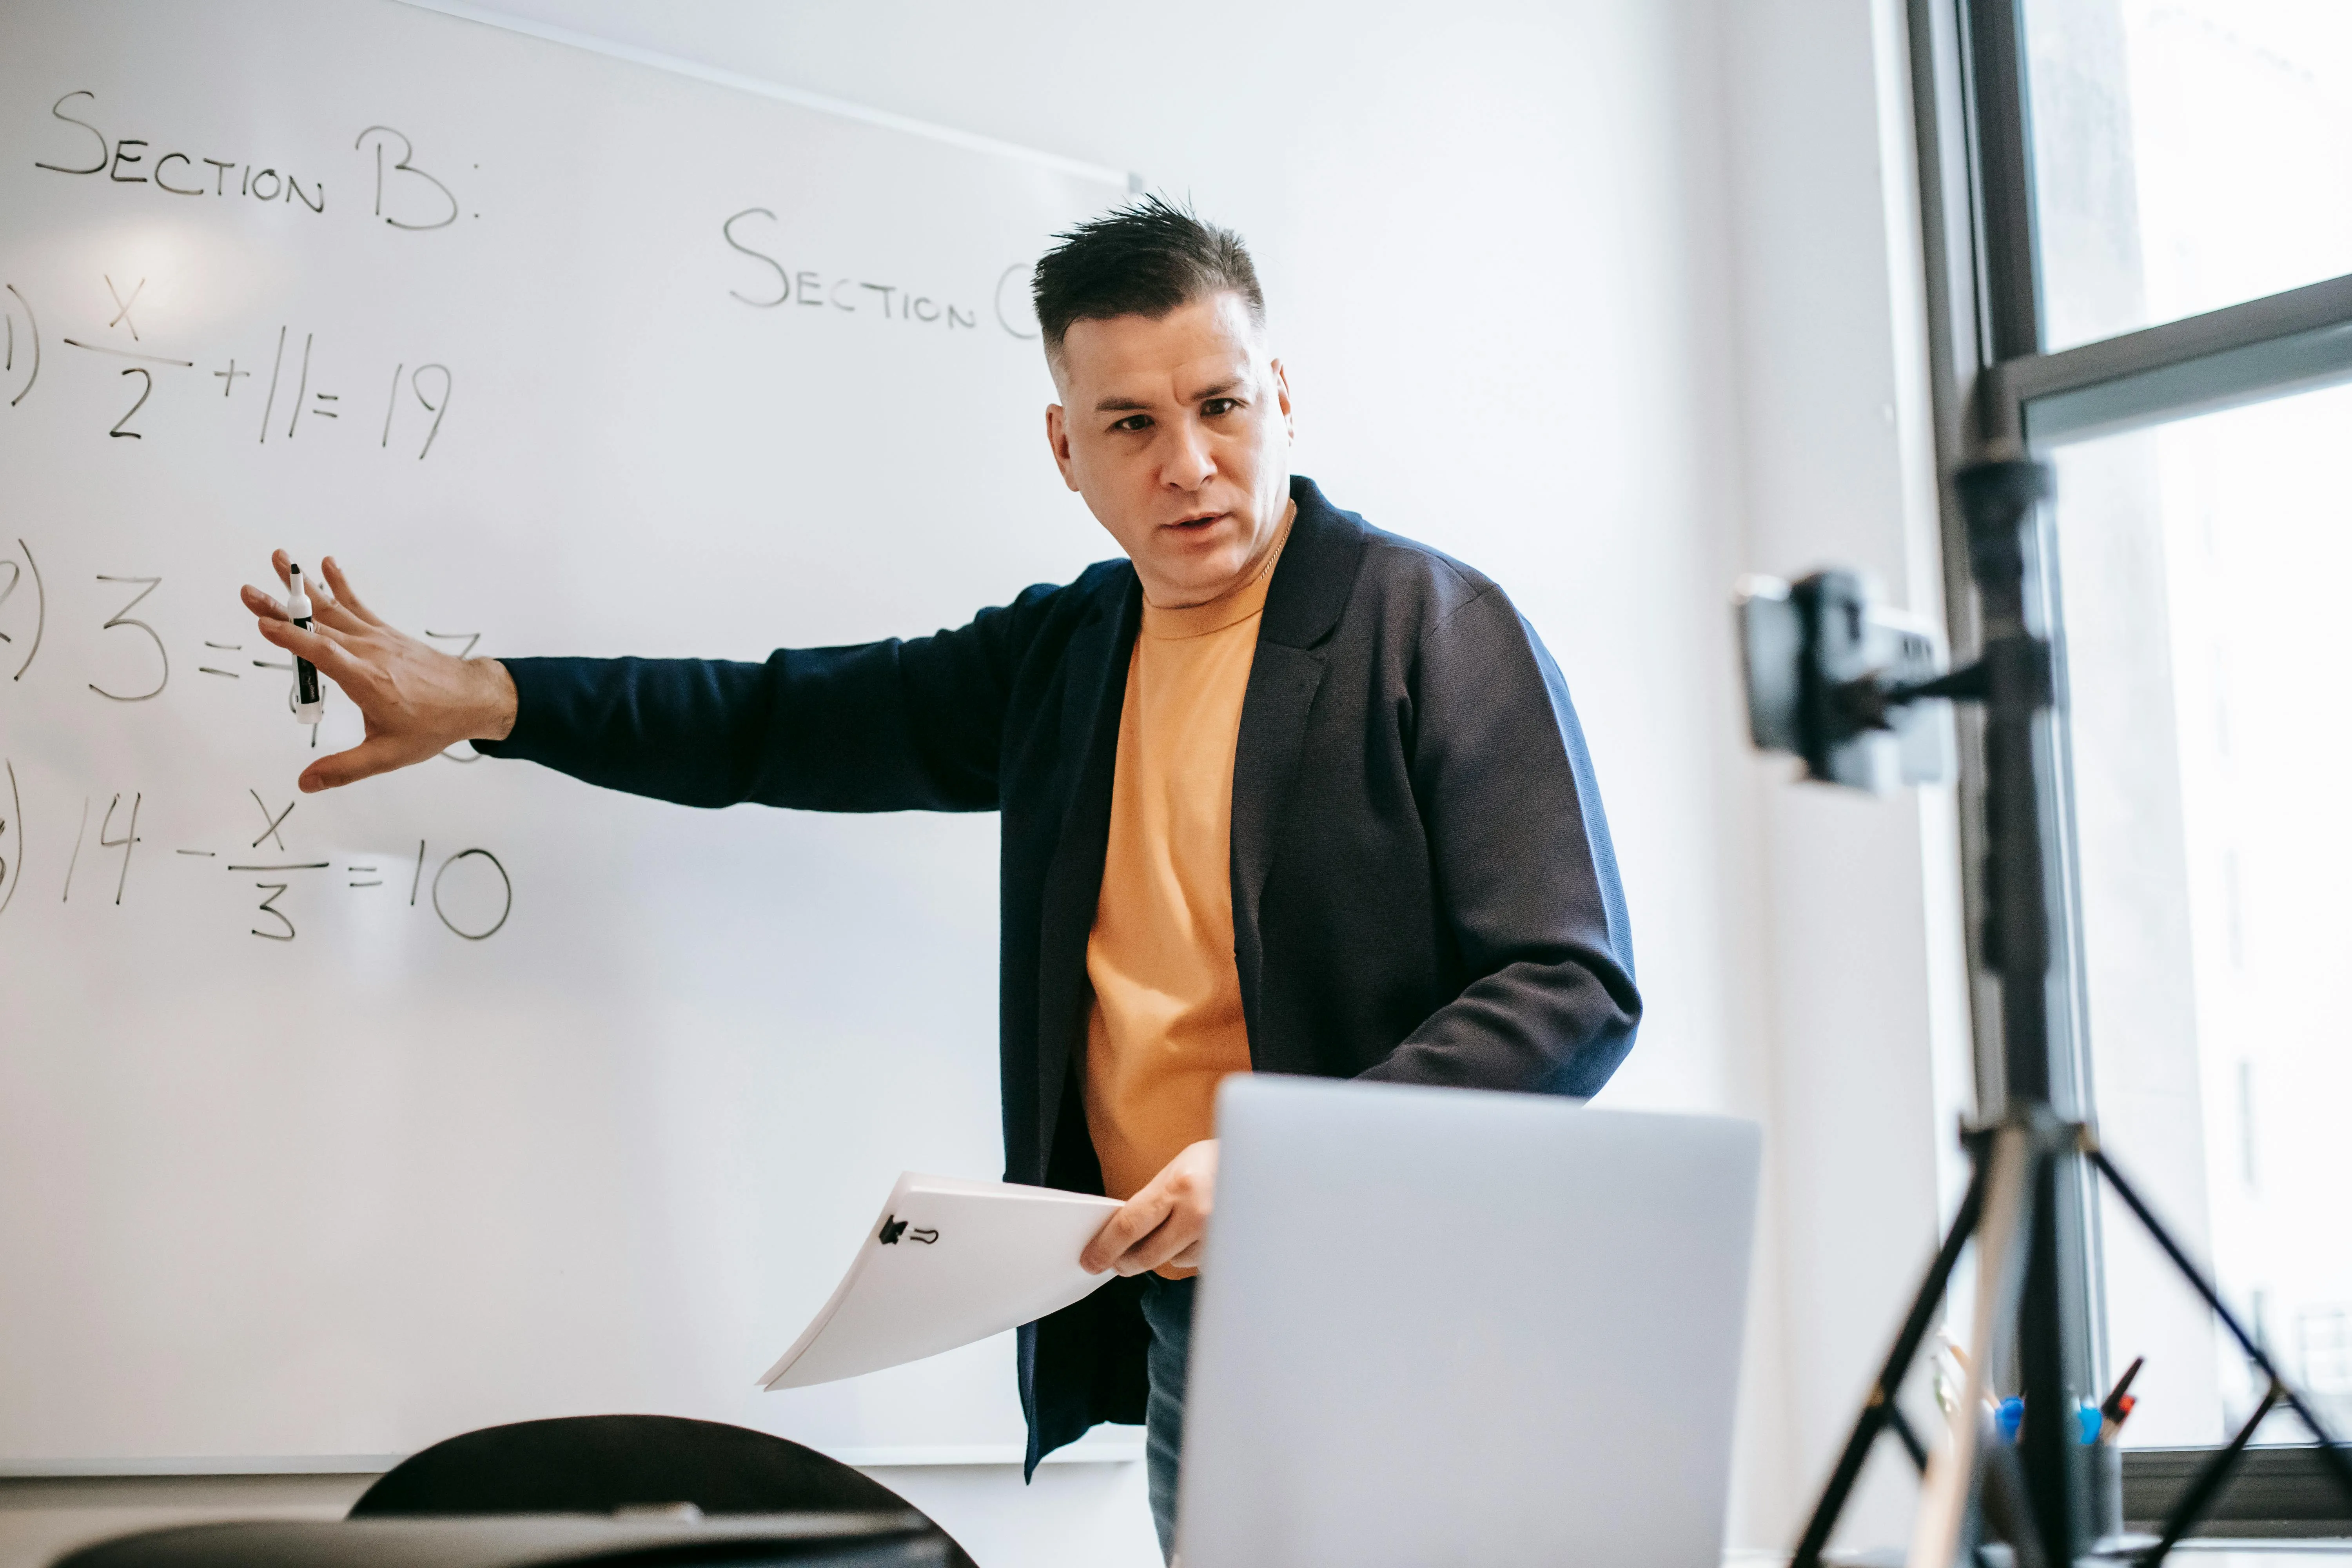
<point x="1997" y="391"/>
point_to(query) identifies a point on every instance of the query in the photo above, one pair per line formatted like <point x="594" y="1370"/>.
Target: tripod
<point x="2036" y="1495"/>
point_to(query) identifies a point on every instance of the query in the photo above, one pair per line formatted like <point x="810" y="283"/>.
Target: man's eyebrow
<point x="1133" y="405"/>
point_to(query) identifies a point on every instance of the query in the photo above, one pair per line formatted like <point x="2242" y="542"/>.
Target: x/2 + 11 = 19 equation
<point x="281" y="384"/>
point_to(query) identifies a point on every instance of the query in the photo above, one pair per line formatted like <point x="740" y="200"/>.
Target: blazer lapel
<point x="1282" y="686"/>
<point x="1095" y="666"/>
<point x="1311" y="585"/>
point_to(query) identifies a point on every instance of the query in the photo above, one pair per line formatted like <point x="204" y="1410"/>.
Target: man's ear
<point x="1058" y="436"/>
<point x="1282" y="398"/>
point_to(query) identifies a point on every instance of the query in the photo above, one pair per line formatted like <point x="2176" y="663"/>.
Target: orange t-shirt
<point x="1166" y="1024"/>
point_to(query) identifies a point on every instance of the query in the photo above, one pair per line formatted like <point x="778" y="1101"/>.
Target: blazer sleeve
<point x="913" y="725"/>
<point x="1526" y="879"/>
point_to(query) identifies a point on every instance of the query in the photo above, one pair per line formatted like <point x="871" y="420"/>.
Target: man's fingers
<point x="261" y="604"/>
<point x="330" y="601"/>
<point x="326" y="612"/>
<point x="376" y="755"/>
<point x="1163" y="1245"/>
<point x="308" y="641"/>
<point x="320" y="646"/>
<point x="339" y="586"/>
<point x="283" y="565"/>
<point x="343" y="642"/>
<point x="1139" y="1216"/>
<point x="1111" y="1240"/>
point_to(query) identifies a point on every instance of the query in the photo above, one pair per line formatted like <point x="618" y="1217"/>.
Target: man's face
<point x="1177" y="431"/>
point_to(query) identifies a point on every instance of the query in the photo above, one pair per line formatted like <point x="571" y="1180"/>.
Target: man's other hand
<point x="1163" y="1225"/>
<point x="416" y="701"/>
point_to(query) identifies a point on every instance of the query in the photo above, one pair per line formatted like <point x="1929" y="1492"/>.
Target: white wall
<point x="1614" y="299"/>
<point x="1871" y="1066"/>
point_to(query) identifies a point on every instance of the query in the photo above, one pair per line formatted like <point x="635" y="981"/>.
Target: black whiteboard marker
<point x="309" y="705"/>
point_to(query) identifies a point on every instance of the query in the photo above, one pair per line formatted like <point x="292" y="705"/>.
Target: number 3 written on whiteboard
<point x="123" y="617"/>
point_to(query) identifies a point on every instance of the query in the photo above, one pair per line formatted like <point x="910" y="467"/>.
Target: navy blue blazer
<point x="1423" y="887"/>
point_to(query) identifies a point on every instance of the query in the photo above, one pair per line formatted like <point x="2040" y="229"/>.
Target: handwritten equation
<point x="140" y="663"/>
<point x="469" y="890"/>
<point x="280" y="400"/>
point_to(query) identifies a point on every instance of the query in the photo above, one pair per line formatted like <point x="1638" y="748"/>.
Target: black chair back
<point x="600" y="1464"/>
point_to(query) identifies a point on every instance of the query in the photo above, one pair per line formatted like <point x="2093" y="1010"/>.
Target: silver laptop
<point x="1447" y="1326"/>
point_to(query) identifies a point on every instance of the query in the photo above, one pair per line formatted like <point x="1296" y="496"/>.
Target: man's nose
<point x="1187" y="465"/>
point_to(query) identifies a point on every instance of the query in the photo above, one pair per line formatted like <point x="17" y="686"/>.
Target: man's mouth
<point x="1196" y="522"/>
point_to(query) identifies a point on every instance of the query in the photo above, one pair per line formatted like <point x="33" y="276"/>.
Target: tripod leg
<point x="2207" y="1484"/>
<point x="1900" y="1425"/>
<point x="1880" y="1403"/>
<point x="2332" y="1453"/>
<point x="2004" y="1240"/>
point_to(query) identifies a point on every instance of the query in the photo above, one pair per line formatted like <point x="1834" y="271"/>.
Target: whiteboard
<point x="474" y="1094"/>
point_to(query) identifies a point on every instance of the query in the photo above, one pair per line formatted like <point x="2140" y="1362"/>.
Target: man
<point x="1278" y="792"/>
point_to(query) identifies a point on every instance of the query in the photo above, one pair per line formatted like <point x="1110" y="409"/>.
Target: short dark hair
<point x="1145" y="259"/>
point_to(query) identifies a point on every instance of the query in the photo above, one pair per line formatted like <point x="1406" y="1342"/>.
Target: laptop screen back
<point x="1440" y="1326"/>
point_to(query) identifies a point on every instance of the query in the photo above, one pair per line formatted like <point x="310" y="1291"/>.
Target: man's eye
<point x="1134" y="422"/>
<point x="1216" y="405"/>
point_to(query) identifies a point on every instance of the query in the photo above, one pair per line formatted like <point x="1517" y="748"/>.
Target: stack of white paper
<point x="948" y="1262"/>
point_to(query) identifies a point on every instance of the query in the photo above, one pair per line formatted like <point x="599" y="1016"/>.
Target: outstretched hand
<point x="416" y="701"/>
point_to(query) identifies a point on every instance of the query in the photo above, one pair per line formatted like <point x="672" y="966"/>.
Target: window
<point x="2188" y="154"/>
<point x="2139" y="217"/>
<point x="2203" y="565"/>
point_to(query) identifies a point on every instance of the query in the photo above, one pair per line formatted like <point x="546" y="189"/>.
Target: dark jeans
<point x="1168" y="1310"/>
